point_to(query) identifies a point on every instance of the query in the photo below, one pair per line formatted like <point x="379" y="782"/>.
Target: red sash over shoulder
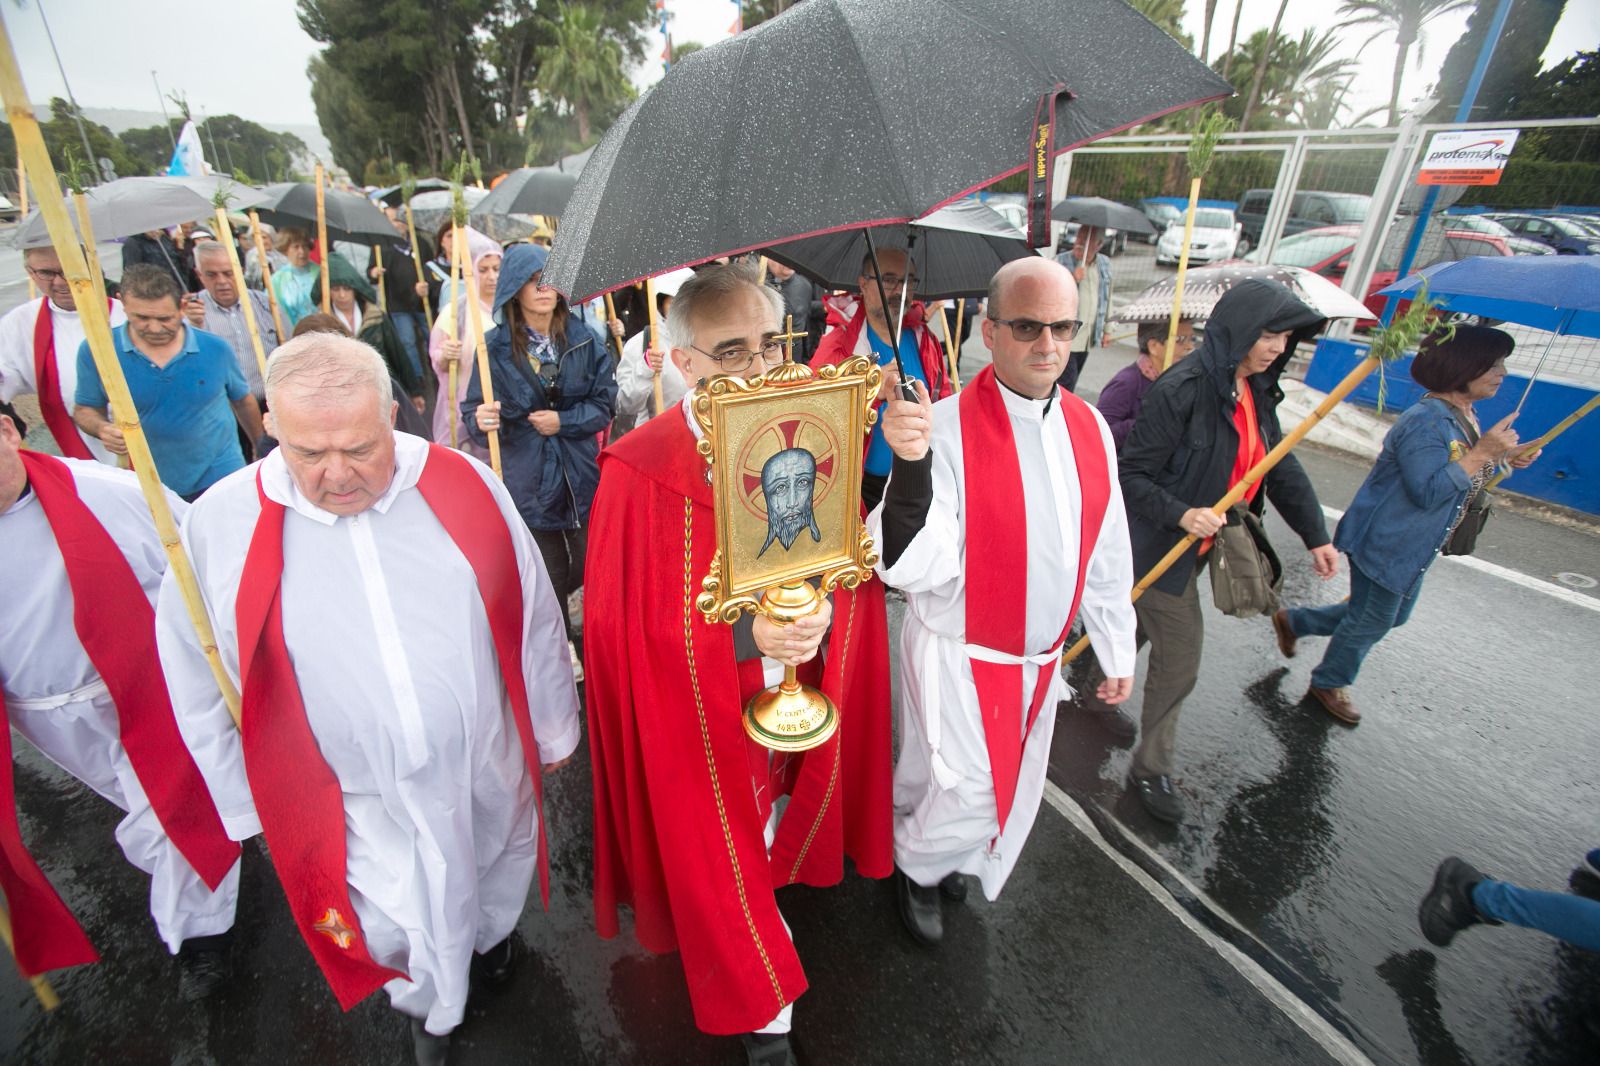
<point x="47" y="383"/>
<point x="297" y="796"/>
<point x="116" y="625"/>
<point x="997" y="563"/>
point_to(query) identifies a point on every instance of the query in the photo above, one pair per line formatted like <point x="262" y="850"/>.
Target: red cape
<point x="678" y="831"/>
<point x="839" y="343"/>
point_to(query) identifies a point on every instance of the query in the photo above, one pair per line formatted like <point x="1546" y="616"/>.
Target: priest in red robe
<point x="696" y="825"/>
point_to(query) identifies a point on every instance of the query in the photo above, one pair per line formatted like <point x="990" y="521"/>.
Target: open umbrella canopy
<point x="956" y="250"/>
<point x="240" y="196"/>
<point x="351" y="216"/>
<point x="127" y="206"/>
<point x="529" y="191"/>
<point x="717" y="158"/>
<point x="1558" y="293"/>
<point x="393" y="194"/>
<point x="1205" y="287"/>
<point x="1102" y="214"/>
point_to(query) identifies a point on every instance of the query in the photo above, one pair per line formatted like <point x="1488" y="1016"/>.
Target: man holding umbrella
<point x="869" y="333"/>
<point x="1092" y="272"/>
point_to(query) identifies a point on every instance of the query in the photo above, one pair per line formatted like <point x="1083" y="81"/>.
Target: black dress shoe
<point x="426" y="1048"/>
<point x="499" y="964"/>
<point x="954" y="888"/>
<point x="205" y="964"/>
<point x="1109" y="718"/>
<point x="769" y="1049"/>
<point x="1160" y="800"/>
<point x="919" y="909"/>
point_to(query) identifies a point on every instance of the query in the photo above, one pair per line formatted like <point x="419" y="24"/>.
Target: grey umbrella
<point x="392" y="194"/>
<point x="718" y="157"/>
<point x="127" y="206"/>
<point x="1102" y="214"/>
<point x="529" y="191"/>
<point x="956" y="250"/>
<point x="350" y="216"/>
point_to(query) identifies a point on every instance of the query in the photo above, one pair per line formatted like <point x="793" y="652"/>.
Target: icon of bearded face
<point x="787" y="481"/>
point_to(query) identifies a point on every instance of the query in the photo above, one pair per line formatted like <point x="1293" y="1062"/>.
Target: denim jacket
<point x="1402" y="513"/>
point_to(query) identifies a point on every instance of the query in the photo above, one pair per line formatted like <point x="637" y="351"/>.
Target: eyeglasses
<point x="48" y="277"/>
<point x="1026" y="329"/>
<point x="738" y="360"/>
<point x="892" y="282"/>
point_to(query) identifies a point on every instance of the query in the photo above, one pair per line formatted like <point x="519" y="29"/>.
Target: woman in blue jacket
<point x="1408" y="507"/>
<point x="554" y="393"/>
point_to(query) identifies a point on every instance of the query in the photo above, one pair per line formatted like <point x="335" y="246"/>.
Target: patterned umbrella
<point x="1205" y="287"/>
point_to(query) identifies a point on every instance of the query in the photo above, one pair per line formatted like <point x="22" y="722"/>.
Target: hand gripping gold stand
<point x="785" y="452"/>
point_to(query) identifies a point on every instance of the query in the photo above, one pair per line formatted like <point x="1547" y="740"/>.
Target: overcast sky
<point x="248" y="57"/>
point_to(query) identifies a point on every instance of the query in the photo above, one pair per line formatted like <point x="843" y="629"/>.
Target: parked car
<point x="1565" y="235"/>
<point x="1161" y="215"/>
<point x="1215" y="238"/>
<point x="1326" y="251"/>
<point x="1308" y="210"/>
<point x="1485" y="224"/>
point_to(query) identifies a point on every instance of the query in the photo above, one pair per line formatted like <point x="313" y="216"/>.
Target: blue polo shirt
<point x="185" y="407"/>
<point x="879" y="455"/>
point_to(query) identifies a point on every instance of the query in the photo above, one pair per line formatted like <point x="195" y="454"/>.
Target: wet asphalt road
<point x="1307" y="846"/>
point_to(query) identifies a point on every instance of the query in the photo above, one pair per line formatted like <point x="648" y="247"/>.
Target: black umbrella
<point x="529" y="191"/>
<point x="719" y="158"/>
<point x="955" y="250"/>
<point x="395" y="193"/>
<point x="351" y="216"/>
<point x="1102" y="214"/>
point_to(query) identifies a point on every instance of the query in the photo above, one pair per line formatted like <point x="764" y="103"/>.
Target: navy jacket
<point x="552" y="479"/>
<point x="1183" y="445"/>
<point x="1397" y="523"/>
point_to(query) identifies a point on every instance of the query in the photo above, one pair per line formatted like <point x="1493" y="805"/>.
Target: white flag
<point x="189" y="159"/>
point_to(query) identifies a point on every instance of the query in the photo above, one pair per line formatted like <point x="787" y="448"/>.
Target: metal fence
<point x="1280" y="184"/>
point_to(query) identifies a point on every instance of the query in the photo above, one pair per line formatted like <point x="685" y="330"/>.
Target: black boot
<point x="498" y="965"/>
<point x="1447" y="908"/>
<point x="769" y="1049"/>
<point x="919" y="909"/>
<point x="426" y="1048"/>
<point x="954" y="888"/>
<point x="205" y="964"/>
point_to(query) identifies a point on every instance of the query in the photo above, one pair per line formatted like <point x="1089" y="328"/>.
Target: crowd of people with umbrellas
<point x="561" y="355"/>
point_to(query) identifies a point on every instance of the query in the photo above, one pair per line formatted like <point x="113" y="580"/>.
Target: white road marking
<point x="1330" y="1039"/>
<point x="1505" y="573"/>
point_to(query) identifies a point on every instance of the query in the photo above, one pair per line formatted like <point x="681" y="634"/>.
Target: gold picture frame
<point x="792" y="438"/>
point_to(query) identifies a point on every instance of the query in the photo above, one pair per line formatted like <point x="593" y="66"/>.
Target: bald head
<point x="1026" y="298"/>
<point x="1032" y="271"/>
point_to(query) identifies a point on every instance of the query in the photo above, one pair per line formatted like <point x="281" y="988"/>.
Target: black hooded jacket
<point x="1182" y="449"/>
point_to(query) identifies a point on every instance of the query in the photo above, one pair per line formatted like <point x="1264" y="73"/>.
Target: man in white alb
<point x="1008" y="488"/>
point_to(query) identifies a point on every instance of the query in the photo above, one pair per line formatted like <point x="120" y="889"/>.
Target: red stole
<point x="47" y="383"/>
<point x="997" y="562"/>
<point x="116" y="625"/>
<point x="298" y="798"/>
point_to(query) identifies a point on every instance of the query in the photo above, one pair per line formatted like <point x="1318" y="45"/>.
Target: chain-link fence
<point x="1343" y="204"/>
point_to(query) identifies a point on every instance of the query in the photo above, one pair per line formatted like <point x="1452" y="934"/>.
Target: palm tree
<point x="1205" y="30"/>
<point x="1261" y="68"/>
<point x="581" y="66"/>
<point x="1406" y="19"/>
<point x="1167" y="14"/>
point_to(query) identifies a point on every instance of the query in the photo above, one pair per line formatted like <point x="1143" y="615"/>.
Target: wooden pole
<point x="485" y="379"/>
<point x="266" y="276"/>
<point x="416" y="259"/>
<point x="1555" y="431"/>
<point x="322" y="243"/>
<point x="655" y="337"/>
<point x="80" y="204"/>
<point x="244" y="294"/>
<point x="97" y="331"/>
<point x="383" y="295"/>
<point x="41" y="987"/>
<point x="611" y="316"/>
<point x="452" y="401"/>
<point x="949" y="342"/>
<point x="1253" y="475"/>
<point x="1183" y="269"/>
<point x="22" y="212"/>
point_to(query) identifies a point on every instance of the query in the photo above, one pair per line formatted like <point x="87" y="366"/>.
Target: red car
<point x="1326" y="250"/>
